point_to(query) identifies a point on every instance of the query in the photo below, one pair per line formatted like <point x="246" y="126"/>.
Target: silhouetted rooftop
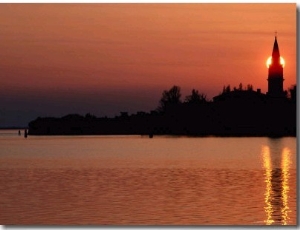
<point x="244" y="95"/>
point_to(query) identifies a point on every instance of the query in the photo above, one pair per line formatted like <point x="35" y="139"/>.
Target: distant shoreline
<point x="13" y="128"/>
<point x="233" y="113"/>
<point x="168" y="135"/>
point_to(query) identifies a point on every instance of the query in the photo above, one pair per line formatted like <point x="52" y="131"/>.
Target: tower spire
<point x="275" y="53"/>
<point x="275" y="75"/>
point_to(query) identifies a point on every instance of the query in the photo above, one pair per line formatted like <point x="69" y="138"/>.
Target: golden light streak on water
<point x="285" y="165"/>
<point x="268" y="176"/>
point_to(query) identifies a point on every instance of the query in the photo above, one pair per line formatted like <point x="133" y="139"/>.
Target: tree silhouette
<point x="228" y="89"/>
<point x="224" y="89"/>
<point x="240" y="86"/>
<point x="195" y="97"/>
<point x="249" y="87"/>
<point x="292" y="93"/>
<point x="169" y="98"/>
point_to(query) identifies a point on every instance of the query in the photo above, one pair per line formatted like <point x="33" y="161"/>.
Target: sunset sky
<point x="57" y="59"/>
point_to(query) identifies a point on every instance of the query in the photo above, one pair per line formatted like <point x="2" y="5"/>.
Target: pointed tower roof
<point x="275" y="53"/>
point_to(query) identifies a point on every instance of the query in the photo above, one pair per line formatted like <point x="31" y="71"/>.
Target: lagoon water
<point x="135" y="180"/>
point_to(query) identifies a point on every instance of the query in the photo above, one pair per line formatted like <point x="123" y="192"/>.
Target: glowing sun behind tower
<point x="269" y="61"/>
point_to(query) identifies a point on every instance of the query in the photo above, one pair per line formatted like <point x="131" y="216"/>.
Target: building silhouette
<point x="275" y="76"/>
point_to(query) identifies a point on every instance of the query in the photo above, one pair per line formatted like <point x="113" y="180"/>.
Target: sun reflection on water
<point x="277" y="187"/>
<point x="268" y="175"/>
<point x="285" y="164"/>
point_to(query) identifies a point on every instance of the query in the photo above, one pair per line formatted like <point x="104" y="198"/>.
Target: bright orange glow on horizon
<point x="269" y="61"/>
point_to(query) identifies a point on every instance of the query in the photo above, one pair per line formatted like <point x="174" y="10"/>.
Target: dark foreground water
<point x="134" y="180"/>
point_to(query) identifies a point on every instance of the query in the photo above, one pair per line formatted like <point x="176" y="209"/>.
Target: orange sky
<point x="107" y="58"/>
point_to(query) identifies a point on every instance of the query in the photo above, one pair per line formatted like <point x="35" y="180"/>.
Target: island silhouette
<point x="237" y="111"/>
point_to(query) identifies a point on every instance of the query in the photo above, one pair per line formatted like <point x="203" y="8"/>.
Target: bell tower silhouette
<point x="275" y="76"/>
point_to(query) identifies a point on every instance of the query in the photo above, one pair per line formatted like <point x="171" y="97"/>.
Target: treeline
<point x="237" y="112"/>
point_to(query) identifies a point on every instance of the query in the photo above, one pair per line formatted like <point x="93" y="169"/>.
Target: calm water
<point x="136" y="180"/>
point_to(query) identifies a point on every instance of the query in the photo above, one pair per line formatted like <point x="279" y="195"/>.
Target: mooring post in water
<point x="25" y="133"/>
